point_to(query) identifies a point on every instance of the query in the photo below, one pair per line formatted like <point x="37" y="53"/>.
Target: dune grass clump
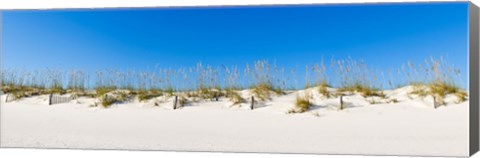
<point x="234" y="97"/>
<point x="323" y="89"/>
<point x="19" y="95"/>
<point x="438" y="79"/>
<point x="440" y="89"/>
<point x="365" y="91"/>
<point x="262" y="91"/>
<point x="105" y="82"/>
<point x="302" y="104"/>
<point x="211" y="94"/>
<point x="108" y="101"/>
<point x="419" y="90"/>
<point x="111" y="98"/>
<point x="56" y="90"/>
<point x="208" y="82"/>
<point x="9" y="88"/>
<point x="77" y="82"/>
<point x="25" y="84"/>
<point x="371" y="92"/>
<point x="462" y="96"/>
<point x="263" y="76"/>
<point x="19" y="92"/>
<point x="315" y="76"/>
<point x="55" y="82"/>
<point x="143" y="95"/>
<point x="101" y="91"/>
<point x="357" y="77"/>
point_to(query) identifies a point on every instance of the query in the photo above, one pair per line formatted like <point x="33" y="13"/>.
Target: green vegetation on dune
<point x="434" y="77"/>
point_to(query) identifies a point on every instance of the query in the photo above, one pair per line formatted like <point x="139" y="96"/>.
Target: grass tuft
<point x="101" y="91"/>
<point x="234" y="97"/>
<point x="461" y="96"/>
<point x="147" y="95"/>
<point x="108" y="101"/>
<point x="263" y="91"/>
<point x="439" y="89"/>
<point x="323" y="89"/>
<point x="302" y="104"/>
<point x="365" y="91"/>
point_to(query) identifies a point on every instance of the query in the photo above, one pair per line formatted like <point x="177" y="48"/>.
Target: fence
<point x="56" y="99"/>
<point x="9" y="98"/>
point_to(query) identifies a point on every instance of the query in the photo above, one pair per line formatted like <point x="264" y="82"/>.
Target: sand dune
<point x="409" y="127"/>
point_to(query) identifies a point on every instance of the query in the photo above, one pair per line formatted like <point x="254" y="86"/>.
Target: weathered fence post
<point x="175" y="103"/>
<point x="6" y="98"/>
<point x="252" y="103"/>
<point x="434" y="102"/>
<point x="50" y="99"/>
<point x="216" y="96"/>
<point x="341" y="102"/>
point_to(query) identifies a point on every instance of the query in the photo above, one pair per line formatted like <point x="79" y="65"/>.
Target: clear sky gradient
<point x="383" y="35"/>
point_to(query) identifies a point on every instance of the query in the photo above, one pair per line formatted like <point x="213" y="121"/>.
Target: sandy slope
<point x="410" y="127"/>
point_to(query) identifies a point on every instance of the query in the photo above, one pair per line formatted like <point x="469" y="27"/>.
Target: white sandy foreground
<point x="409" y="127"/>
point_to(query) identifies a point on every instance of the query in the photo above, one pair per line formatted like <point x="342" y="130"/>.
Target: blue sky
<point x="383" y="35"/>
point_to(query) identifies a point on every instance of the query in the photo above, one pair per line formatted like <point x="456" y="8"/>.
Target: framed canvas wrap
<point x="366" y="79"/>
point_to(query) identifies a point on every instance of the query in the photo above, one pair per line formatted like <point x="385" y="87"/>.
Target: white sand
<point x="410" y="127"/>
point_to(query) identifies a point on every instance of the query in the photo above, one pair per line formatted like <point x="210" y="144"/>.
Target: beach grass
<point x="433" y="77"/>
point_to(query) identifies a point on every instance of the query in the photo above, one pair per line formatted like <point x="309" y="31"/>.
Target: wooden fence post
<point x="434" y="102"/>
<point x="341" y="102"/>
<point x="6" y="98"/>
<point x="175" y="103"/>
<point x="252" y="103"/>
<point x="50" y="99"/>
